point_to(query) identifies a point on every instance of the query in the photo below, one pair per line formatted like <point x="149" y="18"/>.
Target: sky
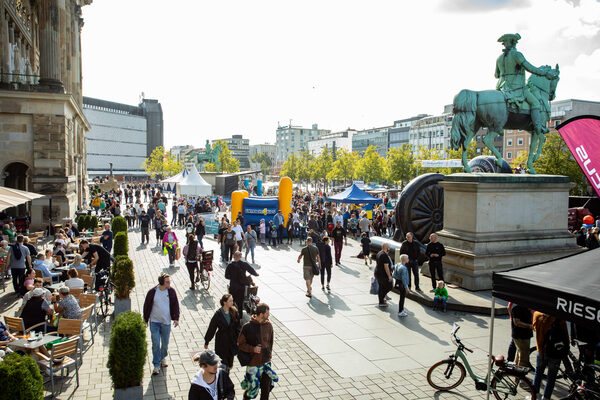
<point x="244" y="66"/>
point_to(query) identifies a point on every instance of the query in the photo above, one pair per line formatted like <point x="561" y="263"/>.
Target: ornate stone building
<point x="42" y="125"/>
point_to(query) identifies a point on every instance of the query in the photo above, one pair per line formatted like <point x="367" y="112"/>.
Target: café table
<point x="30" y="345"/>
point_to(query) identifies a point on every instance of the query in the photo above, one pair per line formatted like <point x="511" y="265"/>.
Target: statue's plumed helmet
<point x="509" y="36"/>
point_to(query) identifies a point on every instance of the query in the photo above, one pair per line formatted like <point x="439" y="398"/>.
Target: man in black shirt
<point x="411" y="249"/>
<point x="339" y="234"/>
<point x="383" y="273"/>
<point x="236" y="273"/>
<point x="145" y="226"/>
<point x="435" y="251"/>
<point x="521" y="332"/>
<point x="95" y="255"/>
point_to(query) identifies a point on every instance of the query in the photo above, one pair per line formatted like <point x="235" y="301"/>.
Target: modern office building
<point x="378" y="137"/>
<point x="121" y="134"/>
<point x="292" y="139"/>
<point x="264" y="148"/>
<point x="399" y="132"/>
<point x="517" y="141"/>
<point x="240" y="149"/>
<point x="333" y="141"/>
<point x="432" y="132"/>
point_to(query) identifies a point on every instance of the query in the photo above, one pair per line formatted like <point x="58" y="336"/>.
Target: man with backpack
<point x="18" y="259"/>
<point x="552" y="342"/>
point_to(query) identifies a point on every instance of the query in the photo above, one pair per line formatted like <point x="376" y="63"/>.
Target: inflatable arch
<point x="256" y="208"/>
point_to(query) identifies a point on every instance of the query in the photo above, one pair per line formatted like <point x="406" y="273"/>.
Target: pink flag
<point x="582" y="135"/>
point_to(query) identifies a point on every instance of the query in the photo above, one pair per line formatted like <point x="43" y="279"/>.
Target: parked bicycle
<point x="584" y="380"/>
<point x="105" y="289"/>
<point x="507" y="380"/>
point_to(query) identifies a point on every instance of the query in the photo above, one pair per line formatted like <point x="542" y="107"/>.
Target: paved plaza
<point x="336" y="345"/>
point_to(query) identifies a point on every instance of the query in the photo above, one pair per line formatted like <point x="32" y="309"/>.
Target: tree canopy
<point x="161" y="164"/>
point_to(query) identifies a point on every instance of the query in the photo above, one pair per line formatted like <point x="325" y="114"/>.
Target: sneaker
<point x="403" y="313"/>
<point x="163" y="363"/>
<point x="155" y="371"/>
<point x="383" y="304"/>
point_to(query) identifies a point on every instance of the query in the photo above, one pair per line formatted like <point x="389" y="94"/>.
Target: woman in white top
<point x="74" y="282"/>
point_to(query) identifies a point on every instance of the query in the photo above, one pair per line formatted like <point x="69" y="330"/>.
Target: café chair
<point x="89" y="299"/>
<point x="89" y="281"/>
<point x="70" y="327"/>
<point x="62" y="356"/>
<point x="16" y="326"/>
<point x="76" y="292"/>
<point x="86" y="316"/>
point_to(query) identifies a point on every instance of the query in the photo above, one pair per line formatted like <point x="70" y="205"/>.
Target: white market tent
<point x="194" y="185"/>
<point x="169" y="183"/>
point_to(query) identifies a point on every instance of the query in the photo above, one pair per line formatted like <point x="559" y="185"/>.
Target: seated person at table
<point x="49" y="260"/>
<point x="28" y="283"/>
<point x="74" y="282"/>
<point x="37" y="283"/>
<point x="73" y="228"/>
<point x="77" y="262"/>
<point x="61" y="237"/>
<point x="40" y="265"/>
<point x="66" y="304"/>
<point x="60" y="251"/>
<point x="36" y="310"/>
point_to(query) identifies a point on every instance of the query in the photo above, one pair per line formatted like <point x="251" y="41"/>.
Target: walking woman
<point x="226" y="325"/>
<point x="191" y="252"/>
<point x="200" y="230"/>
<point x="170" y="245"/>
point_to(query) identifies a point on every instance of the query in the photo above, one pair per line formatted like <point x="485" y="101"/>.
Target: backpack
<point x="189" y="228"/>
<point x="556" y="343"/>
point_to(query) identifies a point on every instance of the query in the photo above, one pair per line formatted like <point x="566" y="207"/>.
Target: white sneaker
<point x="155" y="371"/>
<point x="403" y="313"/>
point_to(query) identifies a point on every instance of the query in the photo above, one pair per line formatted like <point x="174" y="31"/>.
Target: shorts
<point x="308" y="272"/>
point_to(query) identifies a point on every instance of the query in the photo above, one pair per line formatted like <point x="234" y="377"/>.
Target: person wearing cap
<point x="278" y="222"/>
<point x="170" y="244"/>
<point x="256" y="338"/>
<point x="36" y="309"/>
<point x="212" y="382"/>
<point x="510" y="72"/>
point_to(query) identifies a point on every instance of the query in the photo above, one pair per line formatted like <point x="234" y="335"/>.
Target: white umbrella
<point x="10" y="197"/>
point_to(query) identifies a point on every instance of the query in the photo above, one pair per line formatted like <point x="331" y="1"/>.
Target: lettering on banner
<point x="588" y="166"/>
<point x="578" y="309"/>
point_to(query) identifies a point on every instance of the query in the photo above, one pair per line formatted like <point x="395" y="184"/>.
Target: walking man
<point x="145" y="227"/>
<point x="338" y="233"/>
<point x="311" y="259"/>
<point x="18" y="258"/>
<point x="278" y="221"/>
<point x="256" y="338"/>
<point x="435" y="251"/>
<point x="411" y="249"/>
<point x="401" y="276"/>
<point x="160" y="308"/>
<point x="236" y="273"/>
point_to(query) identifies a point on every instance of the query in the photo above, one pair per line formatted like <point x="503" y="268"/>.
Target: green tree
<point x="371" y="167"/>
<point x="227" y="161"/>
<point x="210" y="167"/>
<point x="161" y="164"/>
<point x="305" y="165"/>
<point x="290" y="167"/>
<point x="401" y="164"/>
<point x="556" y="159"/>
<point x="322" y="165"/>
<point x="266" y="163"/>
<point x="344" y="167"/>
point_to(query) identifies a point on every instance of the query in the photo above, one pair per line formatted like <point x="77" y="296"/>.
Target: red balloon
<point x="588" y="219"/>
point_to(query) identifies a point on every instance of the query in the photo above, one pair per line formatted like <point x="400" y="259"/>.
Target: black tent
<point x="568" y="288"/>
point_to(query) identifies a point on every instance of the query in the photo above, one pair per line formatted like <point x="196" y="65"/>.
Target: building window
<point x="520" y="141"/>
<point x="509" y="142"/>
<point x="509" y="155"/>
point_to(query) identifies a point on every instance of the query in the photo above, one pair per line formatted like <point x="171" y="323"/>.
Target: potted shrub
<point x="20" y="378"/>
<point x="121" y="244"/>
<point x="93" y="222"/>
<point x="127" y="355"/>
<point x="82" y="222"/>
<point x="123" y="279"/>
<point x="119" y="224"/>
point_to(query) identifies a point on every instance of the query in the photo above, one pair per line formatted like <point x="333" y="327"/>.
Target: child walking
<point x="263" y="231"/>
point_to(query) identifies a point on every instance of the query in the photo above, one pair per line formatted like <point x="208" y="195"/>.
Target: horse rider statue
<point x="510" y="72"/>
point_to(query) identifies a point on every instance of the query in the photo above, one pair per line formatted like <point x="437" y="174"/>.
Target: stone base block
<point x="497" y="222"/>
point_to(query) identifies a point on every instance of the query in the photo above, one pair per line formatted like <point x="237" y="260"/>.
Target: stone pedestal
<point x="497" y="222"/>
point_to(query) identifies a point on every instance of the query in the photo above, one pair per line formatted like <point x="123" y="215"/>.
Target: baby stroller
<point x="205" y="269"/>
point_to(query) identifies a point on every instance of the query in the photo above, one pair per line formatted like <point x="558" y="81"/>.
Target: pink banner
<point x="582" y="135"/>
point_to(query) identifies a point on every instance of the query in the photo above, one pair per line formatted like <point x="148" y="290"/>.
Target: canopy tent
<point x="566" y="288"/>
<point x="354" y="195"/>
<point x="176" y="178"/>
<point x="193" y="184"/>
<point x="10" y="197"/>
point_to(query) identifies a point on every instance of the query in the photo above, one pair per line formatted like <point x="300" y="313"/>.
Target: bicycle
<point x="584" y="379"/>
<point x="105" y="289"/>
<point x="508" y="380"/>
<point x="203" y="274"/>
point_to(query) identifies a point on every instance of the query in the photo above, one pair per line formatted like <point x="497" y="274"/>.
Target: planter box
<point x="122" y="306"/>
<point x="131" y="393"/>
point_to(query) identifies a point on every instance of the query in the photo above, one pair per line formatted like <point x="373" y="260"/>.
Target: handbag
<point x="374" y="286"/>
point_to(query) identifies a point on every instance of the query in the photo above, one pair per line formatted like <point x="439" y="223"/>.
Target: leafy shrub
<point x="121" y="244"/>
<point x="122" y="277"/>
<point x="127" y="351"/>
<point x="93" y="222"/>
<point x="84" y="222"/>
<point x="119" y="224"/>
<point x="20" y="378"/>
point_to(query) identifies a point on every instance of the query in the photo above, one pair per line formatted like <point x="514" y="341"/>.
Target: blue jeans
<point x="250" y="249"/>
<point x="436" y="299"/>
<point x="540" y="365"/>
<point x="159" y="333"/>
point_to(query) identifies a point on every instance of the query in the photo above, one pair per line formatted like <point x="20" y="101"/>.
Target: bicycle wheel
<point x="205" y="278"/>
<point x="443" y="375"/>
<point x="507" y="384"/>
<point x="103" y="305"/>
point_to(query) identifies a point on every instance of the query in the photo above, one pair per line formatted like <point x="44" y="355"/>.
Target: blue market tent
<point x="354" y="195"/>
